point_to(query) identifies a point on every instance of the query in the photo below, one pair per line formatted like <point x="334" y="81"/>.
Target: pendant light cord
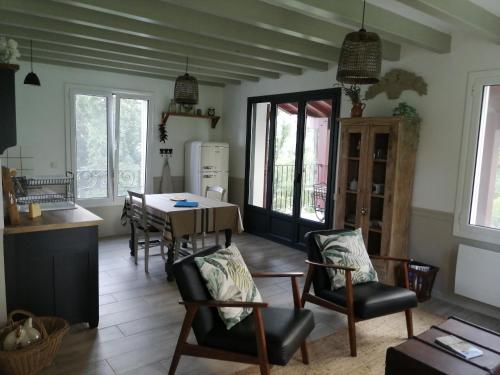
<point x="187" y="63"/>
<point x="363" y="18"/>
<point x="31" y="54"/>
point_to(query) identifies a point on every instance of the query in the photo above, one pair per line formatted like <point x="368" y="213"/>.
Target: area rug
<point x="330" y="354"/>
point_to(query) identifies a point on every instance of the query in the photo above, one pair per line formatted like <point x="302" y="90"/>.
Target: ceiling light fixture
<point x="360" y="59"/>
<point x="186" y="90"/>
<point x="31" y="78"/>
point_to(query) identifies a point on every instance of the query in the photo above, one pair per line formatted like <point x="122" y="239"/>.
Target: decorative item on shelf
<point x="378" y="189"/>
<point x="353" y="93"/>
<point x="31" y="77"/>
<point x="186" y="90"/>
<point x="8" y="51"/>
<point x="10" y="195"/>
<point x="172" y="106"/>
<point x="407" y="111"/>
<point x="395" y="82"/>
<point x="199" y="112"/>
<point x="360" y="59"/>
<point x="211" y="111"/>
<point x="353" y="185"/>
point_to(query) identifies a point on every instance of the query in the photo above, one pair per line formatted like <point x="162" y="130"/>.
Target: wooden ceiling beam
<point x="278" y="19"/>
<point x="148" y="56"/>
<point x="389" y="25"/>
<point x="203" y="24"/>
<point x="96" y="34"/>
<point x="111" y="69"/>
<point x="121" y="65"/>
<point x="106" y="21"/>
<point x="462" y="13"/>
<point x="175" y="69"/>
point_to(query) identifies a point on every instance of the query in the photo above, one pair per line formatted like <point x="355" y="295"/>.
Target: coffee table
<point x="421" y="355"/>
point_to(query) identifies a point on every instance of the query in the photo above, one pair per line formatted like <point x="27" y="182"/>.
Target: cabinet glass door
<point x="351" y="178"/>
<point x="379" y="160"/>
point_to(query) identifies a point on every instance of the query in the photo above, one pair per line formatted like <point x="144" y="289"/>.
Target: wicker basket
<point x="32" y="359"/>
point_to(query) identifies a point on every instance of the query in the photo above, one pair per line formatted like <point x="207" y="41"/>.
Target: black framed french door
<point x="291" y="154"/>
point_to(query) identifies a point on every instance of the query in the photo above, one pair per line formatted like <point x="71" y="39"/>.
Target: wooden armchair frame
<point x="185" y="348"/>
<point x="349" y="308"/>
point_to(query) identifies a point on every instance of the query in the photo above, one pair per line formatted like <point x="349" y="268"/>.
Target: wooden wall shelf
<point x="213" y="119"/>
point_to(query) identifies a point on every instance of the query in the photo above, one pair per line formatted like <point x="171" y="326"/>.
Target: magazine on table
<point x="459" y="346"/>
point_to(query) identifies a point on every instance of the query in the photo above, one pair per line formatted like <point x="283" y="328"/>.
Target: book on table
<point x="459" y="346"/>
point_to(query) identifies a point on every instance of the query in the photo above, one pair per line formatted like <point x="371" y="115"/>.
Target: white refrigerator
<point x="206" y="164"/>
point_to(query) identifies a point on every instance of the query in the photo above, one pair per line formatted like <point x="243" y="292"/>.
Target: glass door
<point x="291" y="154"/>
<point x="380" y="170"/>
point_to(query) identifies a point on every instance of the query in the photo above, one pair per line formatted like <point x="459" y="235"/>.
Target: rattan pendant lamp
<point x="186" y="90"/>
<point x="360" y="59"/>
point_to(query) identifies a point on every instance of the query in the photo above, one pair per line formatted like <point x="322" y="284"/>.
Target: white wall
<point x="42" y="118"/>
<point x="442" y="110"/>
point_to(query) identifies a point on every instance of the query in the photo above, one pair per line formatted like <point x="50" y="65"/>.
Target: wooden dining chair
<point x="215" y="192"/>
<point x="140" y="226"/>
<point x="361" y="301"/>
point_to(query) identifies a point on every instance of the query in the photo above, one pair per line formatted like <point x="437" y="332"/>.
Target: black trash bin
<point x="421" y="277"/>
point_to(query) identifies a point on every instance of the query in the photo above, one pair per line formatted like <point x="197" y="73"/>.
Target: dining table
<point x="179" y="223"/>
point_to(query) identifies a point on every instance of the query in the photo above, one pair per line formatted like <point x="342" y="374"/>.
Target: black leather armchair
<point x="270" y="335"/>
<point x="358" y="302"/>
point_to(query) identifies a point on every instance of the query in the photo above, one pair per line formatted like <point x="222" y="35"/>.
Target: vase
<point x="357" y="109"/>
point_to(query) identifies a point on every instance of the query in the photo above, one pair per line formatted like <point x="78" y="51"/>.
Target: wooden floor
<point x="140" y="317"/>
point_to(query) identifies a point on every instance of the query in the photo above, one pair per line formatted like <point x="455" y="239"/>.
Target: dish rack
<point x="51" y="192"/>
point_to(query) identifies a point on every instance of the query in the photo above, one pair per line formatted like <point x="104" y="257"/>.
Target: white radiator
<point x="478" y="274"/>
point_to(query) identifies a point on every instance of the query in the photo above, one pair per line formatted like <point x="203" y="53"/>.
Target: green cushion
<point x="228" y="279"/>
<point x="346" y="249"/>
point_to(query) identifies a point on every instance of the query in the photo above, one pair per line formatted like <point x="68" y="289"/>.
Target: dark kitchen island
<point x="51" y="265"/>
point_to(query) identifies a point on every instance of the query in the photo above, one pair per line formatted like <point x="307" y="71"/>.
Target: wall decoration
<point x="407" y="111"/>
<point x="211" y="111"/>
<point x="8" y="51"/>
<point x="395" y="82"/>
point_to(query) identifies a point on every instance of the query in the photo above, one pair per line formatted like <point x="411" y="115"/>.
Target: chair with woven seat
<point x="269" y="335"/>
<point x="140" y="226"/>
<point x="361" y="301"/>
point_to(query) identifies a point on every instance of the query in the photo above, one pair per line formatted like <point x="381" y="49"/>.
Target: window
<point x="478" y="198"/>
<point x="108" y="143"/>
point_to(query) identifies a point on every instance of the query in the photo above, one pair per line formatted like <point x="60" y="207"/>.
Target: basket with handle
<point x="29" y="360"/>
<point x="33" y="358"/>
<point x="56" y="329"/>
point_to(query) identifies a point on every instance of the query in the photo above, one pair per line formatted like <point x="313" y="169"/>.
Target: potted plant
<point x="8" y="51"/>
<point x="353" y="93"/>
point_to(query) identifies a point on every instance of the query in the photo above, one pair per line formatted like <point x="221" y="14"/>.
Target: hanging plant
<point x="163" y="132"/>
<point x="162" y="127"/>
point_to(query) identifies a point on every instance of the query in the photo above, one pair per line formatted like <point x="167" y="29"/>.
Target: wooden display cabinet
<point x="375" y="183"/>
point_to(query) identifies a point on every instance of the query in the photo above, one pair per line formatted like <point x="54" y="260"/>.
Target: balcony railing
<point x="94" y="183"/>
<point x="283" y="186"/>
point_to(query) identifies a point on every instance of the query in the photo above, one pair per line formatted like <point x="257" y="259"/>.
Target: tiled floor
<point x="140" y="316"/>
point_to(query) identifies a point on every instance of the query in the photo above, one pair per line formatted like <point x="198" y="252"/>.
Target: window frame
<point x="470" y="142"/>
<point x="113" y="133"/>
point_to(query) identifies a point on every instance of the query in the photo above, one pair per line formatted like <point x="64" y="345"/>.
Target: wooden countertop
<point x="52" y="220"/>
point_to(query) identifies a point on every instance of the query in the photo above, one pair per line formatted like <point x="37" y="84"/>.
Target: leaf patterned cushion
<point x="228" y="279"/>
<point x="346" y="249"/>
